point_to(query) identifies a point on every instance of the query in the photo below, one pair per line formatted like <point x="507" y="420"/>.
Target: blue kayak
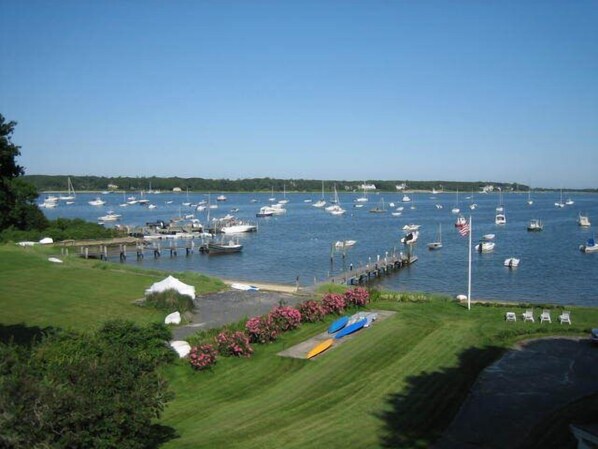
<point x="338" y="324"/>
<point x="351" y="328"/>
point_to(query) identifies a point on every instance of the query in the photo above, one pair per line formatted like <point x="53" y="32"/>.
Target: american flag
<point x="464" y="229"/>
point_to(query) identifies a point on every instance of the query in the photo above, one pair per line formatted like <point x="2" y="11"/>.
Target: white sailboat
<point x="335" y="209"/>
<point x="284" y="195"/>
<point x="71" y="195"/>
<point x="364" y="198"/>
<point x="560" y="203"/>
<point x="438" y="243"/>
<point x="500" y="207"/>
<point x="456" y="210"/>
<point x="529" y="197"/>
<point x="321" y="202"/>
<point x="473" y="205"/>
<point x="584" y="221"/>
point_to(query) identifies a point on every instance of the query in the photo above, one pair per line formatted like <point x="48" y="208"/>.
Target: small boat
<point x="438" y="243"/>
<point x="511" y="262"/>
<point x="70" y="196"/>
<point x="440" y="206"/>
<point x="584" y="221"/>
<point x="379" y="209"/>
<point x="319" y="348"/>
<point x="110" y="216"/>
<point x="590" y="247"/>
<point x="97" y="202"/>
<point x="560" y="203"/>
<point x="265" y="211"/>
<point x="485" y="247"/>
<point x="488" y="237"/>
<point x="500" y="219"/>
<point x="410" y="238"/>
<point x="338" y="324"/>
<point x="151" y="206"/>
<point x="529" y="197"/>
<point x="411" y="227"/>
<point x="396" y="214"/>
<point x="569" y="202"/>
<point x="406" y="199"/>
<point x="244" y="287"/>
<point x="340" y="244"/>
<point x="224" y="247"/>
<point x="350" y="328"/>
<point x="535" y="225"/>
<point x="238" y="227"/>
<point x="220" y="198"/>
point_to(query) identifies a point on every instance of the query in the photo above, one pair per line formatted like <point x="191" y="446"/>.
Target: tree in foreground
<point x="85" y="391"/>
<point x="17" y="198"/>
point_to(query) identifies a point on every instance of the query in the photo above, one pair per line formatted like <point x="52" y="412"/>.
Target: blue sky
<point x="450" y="90"/>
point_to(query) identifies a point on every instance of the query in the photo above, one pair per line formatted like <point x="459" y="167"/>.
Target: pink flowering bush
<point x="261" y="329"/>
<point x="233" y="344"/>
<point x="359" y="297"/>
<point x="202" y="357"/>
<point x="311" y="311"/>
<point x="333" y="303"/>
<point x="285" y="318"/>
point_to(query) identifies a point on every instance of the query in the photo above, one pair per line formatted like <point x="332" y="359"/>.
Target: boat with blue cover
<point x="338" y="324"/>
<point x="351" y="328"/>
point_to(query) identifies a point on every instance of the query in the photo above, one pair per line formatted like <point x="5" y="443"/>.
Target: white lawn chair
<point x="510" y="316"/>
<point x="545" y="316"/>
<point x="565" y="317"/>
<point x="528" y="315"/>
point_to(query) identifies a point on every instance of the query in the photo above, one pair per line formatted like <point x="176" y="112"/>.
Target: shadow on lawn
<point x="418" y="416"/>
<point x="22" y="335"/>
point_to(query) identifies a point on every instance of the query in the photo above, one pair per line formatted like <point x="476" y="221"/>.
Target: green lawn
<point x="396" y="384"/>
<point x="78" y="294"/>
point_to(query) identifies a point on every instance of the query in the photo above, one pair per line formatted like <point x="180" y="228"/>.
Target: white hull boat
<point x="511" y="262"/>
<point x="485" y="247"/>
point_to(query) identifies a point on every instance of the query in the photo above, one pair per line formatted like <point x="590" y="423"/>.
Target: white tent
<point x="172" y="283"/>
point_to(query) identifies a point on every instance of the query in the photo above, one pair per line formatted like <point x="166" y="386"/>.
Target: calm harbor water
<point x="298" y="244"/>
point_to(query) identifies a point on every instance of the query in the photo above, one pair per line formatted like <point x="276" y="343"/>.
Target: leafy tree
<point x="17" y="198"/>
<point x="96" y="390"/>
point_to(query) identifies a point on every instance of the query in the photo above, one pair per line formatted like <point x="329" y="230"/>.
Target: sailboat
<point x="335" y="209"/>
<point x="438" y="243"/>
<point x="364" y="198"/>
<point x="379" y="209"/>
<point x="473" y="205"/>
<point x="187" y="203"/>
<point x="321" y="202"/>
<point x="584" y="220"/>
<point x="456" y="210"/>
<point x="560" y="202"/>
<point x="71" y="195"/>
<point x="272" y="198"/>
<point x="284" y="195"/>
<point x="500" y="207"/>
<point x="529" y="197"/>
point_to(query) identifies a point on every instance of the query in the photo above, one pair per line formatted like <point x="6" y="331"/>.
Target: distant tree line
<point x="101" y="183"/>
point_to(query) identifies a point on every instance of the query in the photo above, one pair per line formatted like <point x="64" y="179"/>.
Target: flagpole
<point x="469" y="272"/>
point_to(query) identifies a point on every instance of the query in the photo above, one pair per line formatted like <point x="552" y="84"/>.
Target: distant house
<point x="177" y="190"/>
<point x="367" y="186"/>
<point x="401" y="187"/>
<point x="112" y="187"/>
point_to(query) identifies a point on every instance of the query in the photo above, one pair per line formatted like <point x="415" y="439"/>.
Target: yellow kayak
<point x="319" y="348"/>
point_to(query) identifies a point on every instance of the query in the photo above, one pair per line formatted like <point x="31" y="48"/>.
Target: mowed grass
<point x="77" y="294"/>
<point x="396" y="384"/>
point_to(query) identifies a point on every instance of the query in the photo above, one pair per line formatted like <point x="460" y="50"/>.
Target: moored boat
<point x="590" y="246"/>
<point x="535" y="225"/>
<point x="583" y="220"/>
<point x="511" y="262"/>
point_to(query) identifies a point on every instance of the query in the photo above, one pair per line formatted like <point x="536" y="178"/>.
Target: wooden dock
<point x="374" y="270"/>
<point x="124" y="247"/>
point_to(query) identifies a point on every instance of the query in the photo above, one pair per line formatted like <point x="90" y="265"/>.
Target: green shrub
<point x="170" y="301"/>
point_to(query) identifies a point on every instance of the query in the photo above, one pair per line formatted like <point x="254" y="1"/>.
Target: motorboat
<point x="535" y="225"/>
<point x="343" y="244"/>
<point x="224" y="247"/>
<point x="319" y="203"/>
<point x="590" y="246"/>
<point x="97" y="202"/>
<point x="485" y="247"/>
<point x="265" y="211"/>
<point x="411" y="227"/>
<point x="455" y="210"/>
<point x="584" y="221"/>
<point x="238" y="227"/>
<point x="511" y="262"/>
<point x="396" y="214"/>
<point x="406" y="199"/>
<point x="410" y="238"/>
<point x="500" y="219"/>
<point x="439" y="206"/>
<point x="110" y="216"/>
<point x="569" y="202"/>
<point x="488" y="237"/>
<point x="220" y="198"/>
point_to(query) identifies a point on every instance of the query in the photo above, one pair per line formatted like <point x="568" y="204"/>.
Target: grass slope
<point x="77" y="294"/>
<point x="397" y="384"/>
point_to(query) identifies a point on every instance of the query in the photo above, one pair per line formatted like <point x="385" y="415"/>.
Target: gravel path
<point x="217" y="309"/>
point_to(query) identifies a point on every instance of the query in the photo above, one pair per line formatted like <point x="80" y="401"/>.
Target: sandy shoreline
<point x="269" y="287"/>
